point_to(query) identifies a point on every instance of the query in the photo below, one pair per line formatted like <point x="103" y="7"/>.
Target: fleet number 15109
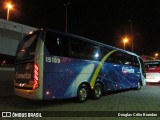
<point x="53" y="60"/>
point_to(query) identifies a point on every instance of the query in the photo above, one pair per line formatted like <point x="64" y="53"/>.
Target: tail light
<point x="36" y="77"/>
<point x="22" y="50"/>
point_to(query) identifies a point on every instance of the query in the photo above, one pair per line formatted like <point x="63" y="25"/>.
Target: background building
<point x="10" y="35"/>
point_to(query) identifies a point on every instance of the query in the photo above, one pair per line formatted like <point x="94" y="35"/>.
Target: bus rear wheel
<point x="97" y="91"/>
<point x="82" y="93"/>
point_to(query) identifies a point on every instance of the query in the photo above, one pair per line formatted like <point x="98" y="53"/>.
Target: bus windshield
<point x="27" y="46"/>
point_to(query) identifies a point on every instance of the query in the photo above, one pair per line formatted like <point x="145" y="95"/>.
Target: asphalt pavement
<point x="141" y="104"/>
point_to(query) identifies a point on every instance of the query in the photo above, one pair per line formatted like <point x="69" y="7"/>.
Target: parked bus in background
<point x="55" y="65"/>
<point x="153" y="71"/>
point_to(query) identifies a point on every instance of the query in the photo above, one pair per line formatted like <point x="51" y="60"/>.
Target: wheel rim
<point x="139" y="85"/>
<point x="98" y="91"/>
<point x="83" y="94"/>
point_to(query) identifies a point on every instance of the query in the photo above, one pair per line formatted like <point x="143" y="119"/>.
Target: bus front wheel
<point x="82" y="93"/>
<point x="138" y="86"/>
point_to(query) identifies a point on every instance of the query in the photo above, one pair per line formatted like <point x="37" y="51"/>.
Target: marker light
<point x="22" y="50"/>
<point x="47" y="92"/>
<point x="30" y="32"/>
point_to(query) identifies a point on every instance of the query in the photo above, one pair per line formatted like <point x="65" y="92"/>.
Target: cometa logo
<point x="23" y="76"/>
<point x="127" y="70"/>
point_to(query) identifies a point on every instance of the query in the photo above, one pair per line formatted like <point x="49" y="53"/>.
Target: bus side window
<point x="127" y="59"/>
<point x="111" y="58"/>
<point x="75" y="49"/>
<point x="135" y="62"/>
<point x="104" y="52"/>
<point x="119" y="58"/>
<point x="93" y="52"/>
<point x="53" y="43"/>
<point x="65" y="46"/>
<point x="83" y="50"/>
<point x="116" y="57"/>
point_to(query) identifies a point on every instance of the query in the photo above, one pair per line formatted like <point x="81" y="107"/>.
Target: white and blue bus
<point x="55" y="65"/>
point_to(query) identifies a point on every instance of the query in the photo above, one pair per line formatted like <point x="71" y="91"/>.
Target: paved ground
<point x="132" y="102"/>
<point x="6" y="81"/>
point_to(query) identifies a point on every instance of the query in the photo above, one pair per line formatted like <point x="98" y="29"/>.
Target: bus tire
<point x="97" y="91"/>
<point x="139" y="86"/>
<point x="82" y="93"/>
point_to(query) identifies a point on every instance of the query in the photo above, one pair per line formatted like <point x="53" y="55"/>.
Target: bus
<point x="152" y="71"/>
<point x="55" y="65"/>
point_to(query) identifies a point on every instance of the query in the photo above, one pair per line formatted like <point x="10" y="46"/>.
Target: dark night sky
<point x="106" y="21"/>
